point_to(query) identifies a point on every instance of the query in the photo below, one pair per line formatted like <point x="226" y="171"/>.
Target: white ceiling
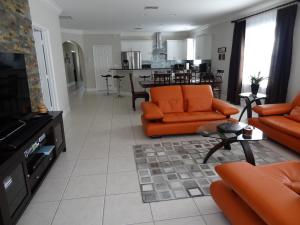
<point x="172" y="15"/>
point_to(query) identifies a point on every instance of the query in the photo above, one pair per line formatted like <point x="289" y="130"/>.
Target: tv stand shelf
<point x="26" y="156"/>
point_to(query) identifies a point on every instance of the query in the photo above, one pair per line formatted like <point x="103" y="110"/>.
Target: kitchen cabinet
<point x="176" y="49"/>
<point x="144" y="46"/>
<point x="203" y="47"/>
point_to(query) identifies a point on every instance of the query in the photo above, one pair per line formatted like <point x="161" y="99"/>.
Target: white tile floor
<point x="95" y="181"/>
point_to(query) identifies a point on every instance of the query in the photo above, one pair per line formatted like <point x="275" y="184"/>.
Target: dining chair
<point x="183" y="78"/>
<point x="162" y="79"/>
<point x="135" y="94"/>
<point x="217" y="86"/>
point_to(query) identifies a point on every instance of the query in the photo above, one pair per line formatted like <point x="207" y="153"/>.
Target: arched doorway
<point x="73" y="57"/>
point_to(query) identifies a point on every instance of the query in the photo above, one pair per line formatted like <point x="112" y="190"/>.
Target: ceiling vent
<point x="151" y="8"/>
<point x="65" y="17"/>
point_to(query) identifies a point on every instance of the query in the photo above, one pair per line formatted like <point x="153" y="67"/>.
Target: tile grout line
<point x="107" y="167"/>
<point x="134" y="136"/>
<point x="69" y="178"/>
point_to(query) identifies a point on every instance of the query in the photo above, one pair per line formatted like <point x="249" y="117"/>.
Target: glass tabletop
<point x="212" y="129"/>
<point x="250" y="95"/>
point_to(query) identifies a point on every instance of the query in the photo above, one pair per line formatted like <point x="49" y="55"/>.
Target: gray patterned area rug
<point x="174" y="170"/>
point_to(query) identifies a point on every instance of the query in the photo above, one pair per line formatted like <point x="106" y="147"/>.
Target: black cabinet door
<point x="58" y="137"/>
<point x="14" y="193"/>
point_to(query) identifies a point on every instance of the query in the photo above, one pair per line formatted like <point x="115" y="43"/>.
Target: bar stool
<point x="119" y="79"/>
<point x="106" y="79"/>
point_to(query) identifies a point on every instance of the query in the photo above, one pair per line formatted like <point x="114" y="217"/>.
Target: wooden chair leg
<point x="147" y="98"/>
<point x="133" y="103"/>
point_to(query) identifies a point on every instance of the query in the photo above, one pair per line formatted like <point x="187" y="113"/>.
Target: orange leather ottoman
<point x="259" y="195"/>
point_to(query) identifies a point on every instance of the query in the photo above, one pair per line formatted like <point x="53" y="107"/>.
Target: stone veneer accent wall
<point x="16" y="36"/>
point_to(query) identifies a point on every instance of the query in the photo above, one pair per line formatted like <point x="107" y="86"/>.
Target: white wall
<point x="45" y="15"/>
<point x="89" y="40"/>
<point x="294" y="83"/>
<point x="222" y="35"/>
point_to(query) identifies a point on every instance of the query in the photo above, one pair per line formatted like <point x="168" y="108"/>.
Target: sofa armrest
<point x="224" y="107"/>
<point x="274" y="202"/>
<point x="151" y="111"/>
<point x="273" y="109"/>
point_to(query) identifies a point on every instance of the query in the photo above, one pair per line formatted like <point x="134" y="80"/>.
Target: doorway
<point x="73" y="64"/>
<point x="43" y="59"/>
<point x="102" y="64"/>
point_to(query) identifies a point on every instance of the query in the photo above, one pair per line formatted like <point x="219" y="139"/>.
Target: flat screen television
<point x="14" y="91"/>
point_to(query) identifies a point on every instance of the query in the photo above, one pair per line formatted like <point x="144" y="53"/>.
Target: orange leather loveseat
<point x="182" y="110"/>
<point x="259" y="195"/>
<point x="280" y="122"/>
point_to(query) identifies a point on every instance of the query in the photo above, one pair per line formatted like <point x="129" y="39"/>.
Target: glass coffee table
<point x="228" y="133"/>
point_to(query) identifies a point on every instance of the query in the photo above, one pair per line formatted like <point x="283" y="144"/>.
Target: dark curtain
<point x="282" y="55"/>
<point x="236" y="63"/>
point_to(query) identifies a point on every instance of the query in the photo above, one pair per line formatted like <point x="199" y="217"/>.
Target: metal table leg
<point x="213" y="150"/>
<point x="248" y="152"/>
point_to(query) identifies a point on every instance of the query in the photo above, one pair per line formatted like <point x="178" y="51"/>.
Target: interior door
<point x="43" y="64"/>
<point x="102" y="64"/>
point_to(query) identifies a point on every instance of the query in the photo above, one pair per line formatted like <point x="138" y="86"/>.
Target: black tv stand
<point x="14" y="127"/>
<point x="26" y="156"/>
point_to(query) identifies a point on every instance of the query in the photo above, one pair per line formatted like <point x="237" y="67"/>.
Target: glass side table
<point x="228" y="135"/>
<point x="249" y="99"/>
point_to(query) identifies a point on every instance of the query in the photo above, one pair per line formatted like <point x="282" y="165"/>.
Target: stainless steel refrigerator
<point x="131" y="60"/>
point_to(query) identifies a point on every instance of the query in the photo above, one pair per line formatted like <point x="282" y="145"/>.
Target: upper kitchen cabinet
<point x="177" y="49"/>
<point x="144" y="46"/>
<point x="203" y="47"/>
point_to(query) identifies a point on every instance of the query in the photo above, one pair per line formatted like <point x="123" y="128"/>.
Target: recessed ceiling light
<point x="138" y="28"/>
<point x="172" y="14"/>
<point x="65" y="17"/>
<point x="151" y="8"/>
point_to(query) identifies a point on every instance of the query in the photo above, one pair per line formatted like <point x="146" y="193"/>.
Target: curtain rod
<point x="276" y="7"/>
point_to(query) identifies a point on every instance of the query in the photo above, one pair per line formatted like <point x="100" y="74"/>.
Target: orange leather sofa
<point x="182" y="110"/>
<point x="259" y="195"/>
<point x="280" y="122"/>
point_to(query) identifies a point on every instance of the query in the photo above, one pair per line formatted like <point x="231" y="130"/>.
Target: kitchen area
<point x="144" y="58"/>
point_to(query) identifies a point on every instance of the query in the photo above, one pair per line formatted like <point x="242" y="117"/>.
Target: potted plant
<point x="255" y="81"/>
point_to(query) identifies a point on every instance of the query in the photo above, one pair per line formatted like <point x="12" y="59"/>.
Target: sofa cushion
<point x="198" y="104"/>
<point x="192" y="116"/>
<point x="170" y="106"/>
<point x="168" y="97"/>
<point x="198" y="91"/>
<point x="286" y="173"/>
<point x="295" y="114"/>
<point x="282" y="124"/>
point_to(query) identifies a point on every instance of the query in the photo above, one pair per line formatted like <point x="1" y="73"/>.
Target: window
<point x="259" y="43"/>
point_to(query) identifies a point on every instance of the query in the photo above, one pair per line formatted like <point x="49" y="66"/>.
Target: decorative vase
<point x="254" y="88"/>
